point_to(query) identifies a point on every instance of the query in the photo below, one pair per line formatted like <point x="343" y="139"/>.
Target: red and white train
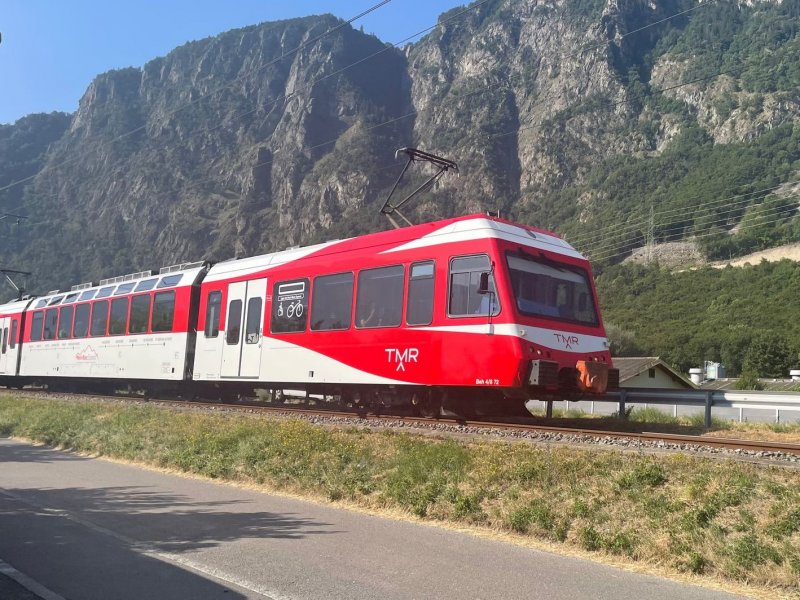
<point x="467" y="311"/>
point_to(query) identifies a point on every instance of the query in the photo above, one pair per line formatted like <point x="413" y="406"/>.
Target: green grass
<point x="722" y="519"/>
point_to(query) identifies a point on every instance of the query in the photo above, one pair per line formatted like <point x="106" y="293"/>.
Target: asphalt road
<point x="90" y="529"/>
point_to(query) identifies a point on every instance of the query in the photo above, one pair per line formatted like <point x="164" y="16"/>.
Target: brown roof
<point x="631" y="366"/>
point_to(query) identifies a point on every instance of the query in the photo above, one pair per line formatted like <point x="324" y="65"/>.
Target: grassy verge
<point x="726" y="520"/>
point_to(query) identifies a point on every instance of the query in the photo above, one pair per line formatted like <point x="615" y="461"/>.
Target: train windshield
<point x="543" y="288"/>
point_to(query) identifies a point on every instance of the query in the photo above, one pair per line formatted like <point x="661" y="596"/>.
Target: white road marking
<point x="29" y="584"/>
<point x="151" y="551"/>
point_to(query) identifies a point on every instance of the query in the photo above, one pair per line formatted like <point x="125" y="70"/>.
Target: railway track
<point x="502" y="427"/>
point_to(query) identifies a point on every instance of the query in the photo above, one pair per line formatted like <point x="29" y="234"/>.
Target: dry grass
<point x="728" y="521"/>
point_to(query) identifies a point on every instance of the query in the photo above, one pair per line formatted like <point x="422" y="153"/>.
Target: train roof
<point x="166" y="278"/>
<point x="459" y="229"/>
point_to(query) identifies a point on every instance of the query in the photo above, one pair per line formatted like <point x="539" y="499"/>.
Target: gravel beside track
<point x="769" y="453"/>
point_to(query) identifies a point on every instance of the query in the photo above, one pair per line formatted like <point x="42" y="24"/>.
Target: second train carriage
<point x="137" y="329"/>
<point x="471" y="307"/>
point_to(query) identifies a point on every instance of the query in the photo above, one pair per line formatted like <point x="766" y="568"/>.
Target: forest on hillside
<point x="747" y="318"/>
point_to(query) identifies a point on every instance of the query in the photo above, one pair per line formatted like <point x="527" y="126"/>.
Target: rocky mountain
<point x="609" y="120"/>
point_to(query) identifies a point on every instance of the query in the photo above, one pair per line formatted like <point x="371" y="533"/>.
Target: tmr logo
<point x="401" y="357"/>
<point x="568" y="340"/>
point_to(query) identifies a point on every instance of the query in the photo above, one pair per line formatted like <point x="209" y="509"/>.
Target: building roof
<point x="770" y="385"/>
<point x="631" y="366"/>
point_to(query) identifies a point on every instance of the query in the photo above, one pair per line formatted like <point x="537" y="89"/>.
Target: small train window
<point x="146" y="285"/>
<point x="12" y="342"/>
<point x="234" y="322"/>
<point x="87" y="295"/>
<point x="332" y="302"/>
<point x="55" y="300"/>
<point x="70" y="298"/>
<point x="5" y="340"/>
<point x="105" y="292"/>
<point x="169" y="281"/>
<point x="41" y="303"/>
<point x="379" y="299"/>
<point x="140" y="314"/>
<point x="163" y="311"/>
<point x="465" y="276"/>
<point x="419" y="306"/>
<point x="124" y="288"/>
<point x="81" y="326"/>
<point x="252" y="330"/>
<point x="65" y="322"/>
<point x="50" y="322"/>
<point x="213" y="306"/>
<point x="99" y="318"/>
<point x="36" y="326"/>
<point x="290" y="306"/>
<point x="119" y="316"/>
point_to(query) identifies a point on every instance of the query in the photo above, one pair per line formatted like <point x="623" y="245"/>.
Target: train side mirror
<point x="483" y="285"/>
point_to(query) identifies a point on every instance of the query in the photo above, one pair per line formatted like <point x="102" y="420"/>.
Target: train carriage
<point x="466" y="303"/>
<point x="12" y="320"/>
<point x="132" y="329"/>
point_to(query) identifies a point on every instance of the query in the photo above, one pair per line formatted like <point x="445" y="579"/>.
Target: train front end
<point x="561" y="341"/>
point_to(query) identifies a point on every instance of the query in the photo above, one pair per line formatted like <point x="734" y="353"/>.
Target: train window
<point x="140" y="314"/>
<point x="419" y="305"/>
<point x="81" y="326"/>
<point x="289" y="306"/>
<point x="87" y="295"/>
<point x="169" y="281"/>
<point x="50" y="322"/>
<point x="105" y="292"/>
<point x="36" y="326"/>
<point x="124" y="288"/>
<point x="544" y="288"/>
<point x="163" y="311"/>
<point x="5" y="340"/>
<point x="55" y="300"/>
<point x="99" y="318"/>
<point x="70" y="298"/>
<point x="379" y="299"/>
<point x="252" y="329"/>
<point x="41" y="303"/>
<point x="332" y="303"/>
<point x="65" y="322"/>
<point x="146" y="285"/>
<point x="465" y="277"/>
<point x="12" y="342"/>
<point x="119" y="316"/>
<point x="213" y="305"/>
<point x="234" y="322"/>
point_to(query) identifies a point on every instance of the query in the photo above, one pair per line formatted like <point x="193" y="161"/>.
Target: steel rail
<point x="681" y="440"/>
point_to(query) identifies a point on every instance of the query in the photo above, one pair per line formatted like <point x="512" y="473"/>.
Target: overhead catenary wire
<point x="195" y="101"/>
<point x="284" y="97"/>
<point x="609" y="251"/>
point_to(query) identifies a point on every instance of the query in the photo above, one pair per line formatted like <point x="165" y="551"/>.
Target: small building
<point x="649" y="372"/>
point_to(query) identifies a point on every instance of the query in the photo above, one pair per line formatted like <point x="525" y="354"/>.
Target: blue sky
<point x="52" y="49"/>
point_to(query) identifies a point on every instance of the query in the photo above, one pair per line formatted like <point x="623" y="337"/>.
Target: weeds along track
<point x="787" y="454"/>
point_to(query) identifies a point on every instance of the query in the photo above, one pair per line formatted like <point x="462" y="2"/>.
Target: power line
<point x="218" y="89"/>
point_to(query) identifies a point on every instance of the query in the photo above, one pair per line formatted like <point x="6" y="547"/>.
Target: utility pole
<point x="650" y="239"/>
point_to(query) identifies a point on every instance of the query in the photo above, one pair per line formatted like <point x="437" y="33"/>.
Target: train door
<point x="5" y="345"/>
<point x="241" y="353"/>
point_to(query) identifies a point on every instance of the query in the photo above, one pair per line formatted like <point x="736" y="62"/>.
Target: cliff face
<point x="236" y="145"/>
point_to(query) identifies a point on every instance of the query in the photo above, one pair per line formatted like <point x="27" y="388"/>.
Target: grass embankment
<point x="727" y="520"/>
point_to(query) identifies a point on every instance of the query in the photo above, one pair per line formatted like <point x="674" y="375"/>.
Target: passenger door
<point x="5" y="344"/>
<point x="241" y="351"/>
